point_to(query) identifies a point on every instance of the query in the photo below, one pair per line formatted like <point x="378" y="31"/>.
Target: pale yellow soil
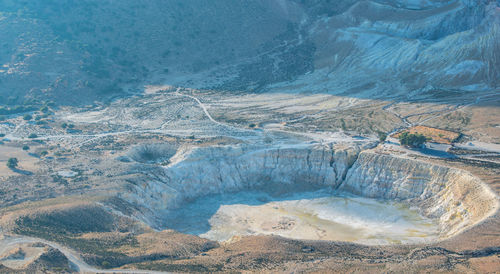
<point x="26" y="161"/>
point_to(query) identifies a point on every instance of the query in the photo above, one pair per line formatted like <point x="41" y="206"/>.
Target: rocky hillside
<point x="73" y="51"/>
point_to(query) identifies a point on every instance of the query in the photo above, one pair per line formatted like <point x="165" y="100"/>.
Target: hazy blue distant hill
<point x="76" y="52"/>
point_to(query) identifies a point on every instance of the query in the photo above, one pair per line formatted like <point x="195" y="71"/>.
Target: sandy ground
<point x="320" y="215"/>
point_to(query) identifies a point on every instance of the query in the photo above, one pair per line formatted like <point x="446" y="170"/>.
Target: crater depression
<point x="308" y="191"/>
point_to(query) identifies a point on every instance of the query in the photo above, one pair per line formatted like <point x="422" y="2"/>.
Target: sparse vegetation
<point x="15" y="109"/>
<point x="44" y="109"/>
<point x="67" y="226"/>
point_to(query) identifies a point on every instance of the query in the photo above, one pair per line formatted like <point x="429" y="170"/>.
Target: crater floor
<point x="318" y="215"/>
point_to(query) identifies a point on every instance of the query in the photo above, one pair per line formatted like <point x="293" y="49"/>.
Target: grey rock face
<point x="229" y="169"/>
<point x="454" y="197"/>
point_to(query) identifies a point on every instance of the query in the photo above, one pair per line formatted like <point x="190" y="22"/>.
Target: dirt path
<point x="78" y="263"/>
<point x="202" y="106"/>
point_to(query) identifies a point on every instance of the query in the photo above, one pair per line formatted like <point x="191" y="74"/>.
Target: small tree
<point x="27" y="117"/>
<point x="342" y="124"/>
<point x="64" y="125"/>
<point x="32" y="136"/>
<point x="412" y="139"/>
<point x="382" y="136"/>
<point x="12" y="163"/>
<point x="26" y="148"/>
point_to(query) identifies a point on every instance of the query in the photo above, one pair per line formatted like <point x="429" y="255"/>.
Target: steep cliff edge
<point x="454" y="197"/>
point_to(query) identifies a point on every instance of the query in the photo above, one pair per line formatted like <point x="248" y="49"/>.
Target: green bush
<point x="32" y="136"/>
<point x="27" y="117"/>
<point x="382" y="136"/>
<point x="412" y="140"/>
<point x="12" y="163"/>
<point x="343" y="124"/>
<point x="26" y="148"/>
<point x="106" y="264"/>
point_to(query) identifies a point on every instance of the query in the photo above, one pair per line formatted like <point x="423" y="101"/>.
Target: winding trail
<point x="202" y="106"/>
<point x="78" y="263"/>
<point x="408" y="124"/>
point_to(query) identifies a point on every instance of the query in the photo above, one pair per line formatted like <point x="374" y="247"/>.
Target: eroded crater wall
<point x="454" y="197"/>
